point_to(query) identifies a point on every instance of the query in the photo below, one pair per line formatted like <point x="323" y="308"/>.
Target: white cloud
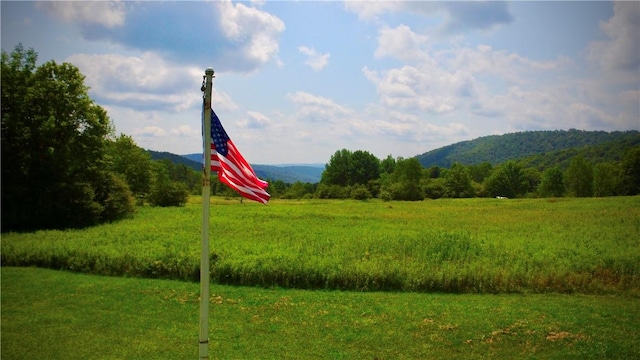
<point x="150" y="131"/>
<point x="476" y="81"/>
<point x="106" y="13"/>
<point x="458" y="15"/>
<point x="419" y="88"/>
<point x="315" y="60"/>
<point x="403" y="44"/>
<point x="236" y="37"/>
<point x="185" y="131"/>
<point x="221" y="100"/>
<point x="318" y="109"/>
<point x="256" y="30"/>
<point x="144" y="82"/>
<point x="620" y="54"/>
<point x="255" y="120"/>
<point x="369" y="10"/>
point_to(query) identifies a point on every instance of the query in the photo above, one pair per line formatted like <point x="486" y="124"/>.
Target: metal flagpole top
<point x="209" y="71"/>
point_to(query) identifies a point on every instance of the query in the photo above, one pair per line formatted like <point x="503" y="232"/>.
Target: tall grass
<point x="470" y="245"/>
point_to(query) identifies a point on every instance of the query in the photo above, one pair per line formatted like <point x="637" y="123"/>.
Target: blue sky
<point x="298" y="80"/>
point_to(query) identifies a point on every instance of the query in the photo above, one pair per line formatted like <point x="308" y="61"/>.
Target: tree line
<point x="360" y="175"/>
<point x="64" y="167"/>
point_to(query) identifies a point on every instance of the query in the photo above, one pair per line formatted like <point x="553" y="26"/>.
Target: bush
<point x="116" y="198"/>
<point x="172" y="193"/>
<point x="360" y="192"/>
<point x="434" y="188"/>
<point x="385" y="195"/>
<point x="333" y="191"/>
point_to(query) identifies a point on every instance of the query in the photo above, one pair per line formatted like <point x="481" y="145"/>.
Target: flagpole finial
<point x="209" y="71"/>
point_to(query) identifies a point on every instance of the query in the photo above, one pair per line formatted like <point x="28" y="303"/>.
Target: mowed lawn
<point x="49" y="314"/>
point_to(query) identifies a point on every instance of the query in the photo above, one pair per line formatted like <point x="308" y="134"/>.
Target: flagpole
<point x="206" y="190"/>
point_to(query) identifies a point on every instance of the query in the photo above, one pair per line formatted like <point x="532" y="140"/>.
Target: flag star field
<point x="295" y="81"/>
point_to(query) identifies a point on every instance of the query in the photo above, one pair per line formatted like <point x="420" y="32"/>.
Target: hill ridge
<point x="496" y="149"/>
<point x="539" y="149"/>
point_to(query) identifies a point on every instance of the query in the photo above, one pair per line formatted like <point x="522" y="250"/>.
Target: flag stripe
<point x="233" y="170"/>
<point x="237" y="179"/>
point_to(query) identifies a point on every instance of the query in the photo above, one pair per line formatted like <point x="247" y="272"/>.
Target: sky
<point x="296" y="81"/>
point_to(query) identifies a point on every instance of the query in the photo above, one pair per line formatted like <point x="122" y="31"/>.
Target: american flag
<point x="233" y="170"/>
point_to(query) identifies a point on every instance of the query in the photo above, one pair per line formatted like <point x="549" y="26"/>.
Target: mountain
<point x="177" y="159"/>
<point x="609" y="151"/>
<point x="538" y="149"/>
<point x="289" y="173"/>
<point x="496" y="149"/>
<point x="193" y="157"/>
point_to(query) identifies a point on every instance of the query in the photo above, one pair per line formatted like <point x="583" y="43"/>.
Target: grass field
<point x="568" y="245"/>
<point x="50" y="314"/>
<point x="543" y="278"/>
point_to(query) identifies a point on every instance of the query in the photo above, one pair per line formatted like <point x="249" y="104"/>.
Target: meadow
<point x="567" y="245"/>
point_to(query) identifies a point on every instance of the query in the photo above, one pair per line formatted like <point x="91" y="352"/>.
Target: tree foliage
<point x="166" y="191"/>
<point x="552" y="183"/>
<point x="546" y="148"/>
<point x="579" y="177"/>
<point x="508" y="180"/>
<point x="457" y="182"/>
<point x="346" y="168"/>
<point x="404" y="183"/>
<point x="133" y="163"/>
<point x="630" y="169"/>
<point x="605" y="180"/>
<point x="57" y="136"/>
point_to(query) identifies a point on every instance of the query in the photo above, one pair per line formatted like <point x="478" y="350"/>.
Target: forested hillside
<point x="609" y="151"/>
<point x="176" y="159"/>
<point x="496" y="149"/>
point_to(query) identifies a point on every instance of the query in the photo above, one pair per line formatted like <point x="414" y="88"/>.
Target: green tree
<point x="507" y="180"/>
<point x="480" y="172"/>
<point x="337" y="170"/>
<point x="579" y="177"/>
<point x="346" y="168"/>
<point x="605" y="179"/>
<point x="434" y="172"/>
<point x="165" y="191"/>
<point x="457" y="182"/>
<point x="299" y="190"/>
<point x="552" y="183"/>
<point x="276" y="188"/>
<point x="325" y="191"/>
<point x="434" y="188"/>
<point x="630" y="172"/>
<point x="182" y="173"/>
<point x="172" y="193"/>
<point x="364" y="167"/>
<point x="533" y="178"/>
<point x="133" y="163"/>
<point x="387" y="165"/>
<point x="114" y="194"/>
<point x="404" y="182"/>
<point x="57" y="138"/>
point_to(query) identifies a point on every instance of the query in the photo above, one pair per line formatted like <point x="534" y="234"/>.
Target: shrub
<point x="360" y="192"/>
<point x="116" y="198"/>
<point x="172" y="193"/>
